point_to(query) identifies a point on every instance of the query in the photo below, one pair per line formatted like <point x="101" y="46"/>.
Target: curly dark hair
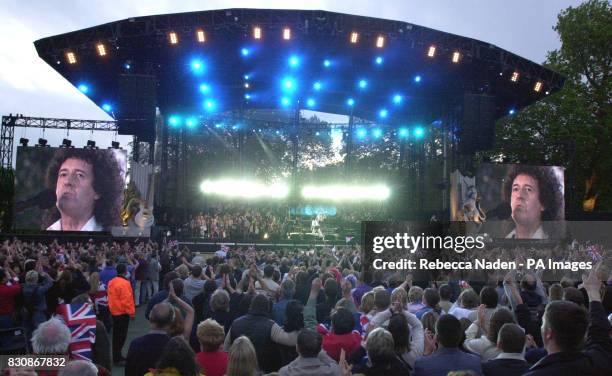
<point x="550" y="189"/>
<point x="107" y="183"/>
<point x="178" y="354"/>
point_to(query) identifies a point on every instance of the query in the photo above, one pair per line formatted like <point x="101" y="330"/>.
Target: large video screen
<point x="511" y="201"/>
<point x="69" y="189"/>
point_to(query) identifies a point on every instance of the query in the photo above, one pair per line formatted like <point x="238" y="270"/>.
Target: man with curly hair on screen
<point x="88" y="184"/>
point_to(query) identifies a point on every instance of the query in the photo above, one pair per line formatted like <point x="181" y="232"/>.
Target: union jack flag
<point x="81" y="320"/>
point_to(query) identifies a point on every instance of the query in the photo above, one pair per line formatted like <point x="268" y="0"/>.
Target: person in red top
<point x="121" y="305"/>
<point x="212" y="359"/>
<point x="342" y="336"/>
<point x="9" y="288"/>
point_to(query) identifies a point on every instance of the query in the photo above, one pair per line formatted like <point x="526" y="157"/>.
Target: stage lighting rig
<point x="42" y="142"/>
<point x="66" y="143"/>
<point x="23" y="141"/>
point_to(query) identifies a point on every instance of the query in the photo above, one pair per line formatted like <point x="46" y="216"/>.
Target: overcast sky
<point x="30" y="86"/>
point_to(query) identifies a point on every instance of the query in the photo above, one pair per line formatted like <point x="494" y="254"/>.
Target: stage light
<point x="547" y="92"/>
<point x="127" y="66"/>
<point x="247" y="96"/>
<point x="210" y="105"/>
<point x="350" y="102"/>
<point x="71" y="58"/>
<point x="191" y="122"/>
<point x="101" y="49"/>
<point x="378" y="192"/>
<point x="383" y="113"/>
<point x="379" y="60"/>
<point x="245" y="52"/>
<point x="66" y="143"/>
<point x="456" y="57"/>
<point x="286" y="33"/>
<point x="83" y="88"/>
<point x="289" y="84"/>
<point x="174" y="121"/>
<point x="205" y="88"/>
<point x="244" y="189"/>
<point x="398" y="99"/>
<point x="201" y="36"/>
<point x="362" y="84"/>
<point x="354" y="37"/>
<point x="403" y="132"/>
<point x="42" y="142"/>
<point x="538" y="86"/>
<point x="107" y="107"/>
<point x="24" y="141"/>
<point x="246" y="77"/>
<point x="218" y="125"/>
<point x="247" y="85"/>
<point x="515" y="76"/>
<point x="285" y="101"/>
<point x="173" y="37"/>
<point x="197" y="66"/>
<point x="377" y="133"/>
<point x="115" y="145"/>
<point x="417" y="78"/>
<point x="380" y="41"/>
<point x="361" y="133"/>
<point x="419" y="132"/>
<point x="326" y="63"/>
<point x="294" y="61"/>
<point x="317" y="86"/>
<point x="91" y="144"/>
<point x="317" y="133"/>
<point x="431" y="51"/>
<point x="257" y="32"/>
<point x="310" y="102"/>
<point x="511" y="111"/>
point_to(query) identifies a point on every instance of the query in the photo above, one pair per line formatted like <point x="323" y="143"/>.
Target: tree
<point x="574" y="124"/>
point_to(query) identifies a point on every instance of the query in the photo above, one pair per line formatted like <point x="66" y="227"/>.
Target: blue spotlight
<point x="403" y="133"/>
<point x="377" y="133"/>
<point x="310" y="102"/>
<point x="379" y="60"/>
<point x="210" y="105"/>
<point x="362" y="133"/>
<point x="107" y="107"/>
<point x="205" y="88"/>
<point x="362" y="84"/>
<point x="246" y="77"/>
<point x="127" y="66"/>
<point x="285" y="101"/>
<point x="350" y="102"/>
<point x="417" y="78"/>
<point x="83" y="88"/>
<point x="191" y="122"/>
<point x="383" y="113"/>
<point x="218" y="125"/>
<point x="245" y="52"/>
<point x="197" y="66"/>
<point x="419" y="132"/>
<point x="317" y="86"/>
<point x="326" y="63"/>
<point x="289" y="84"/>
<point x="511" y="112"/>
<point x="317" y="133"/>
<point x="398" y="99"/>
<point x="294" y="61"/>
<point x="247" y="96"/>
<point x="174" y="121"/>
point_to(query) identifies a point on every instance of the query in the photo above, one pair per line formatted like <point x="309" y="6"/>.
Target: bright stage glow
<point x="515" y="77"/>
<point x="247" y="96"/>
<point x="380" y="41"/>
<point x="197" y="66"/>
<point x="174" y="120"/>
<point x="397" y="99"/>
<point x="285" y="101"/>
<point x="173" y="37"/>
<point x="379" y="60"/>
<point x="417" y="78"/>
<point x="244" y="189"/>
<point x="383" y="113"/>
<point x="431" y="51"/>
<point x="210" y="105"/>
<point x="350" y="102"/>
<point x="205" y="88"/>
<point x="363" y="84"/>
<point x="511" y="111"/>
<point x="347" y="192"/>
<point x="101" y="49"/>
<point x="71" y="57"/>
<point x="191" y="122"/>
<point x="456" y="57"/>
<point x="354" y="37"/>
<point x="286" y="33"/>
<point x="403" y="132"/>
<point x="127" y="66"/>
<point x="310" y="102"/>
<point x="201" y="36"/>
<point x="83" y="88"/>
<point x="289" y="84"/>
<point x="247" y="77"/>
<point x="326" y="63"/>
<point x="317" y="86"/>
<point x="362" y="133"/>
<point x="538" y="86"/>
<point x="107" y="107"/>
<point x="377" y="133"/>
<point x="419" y="132"/>
<point x="245" y="52"/>
<point x="294" y="61"/>
<point x="257" y="32"/>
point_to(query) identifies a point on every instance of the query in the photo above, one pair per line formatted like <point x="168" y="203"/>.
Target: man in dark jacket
<point x="144" y="351"/>
<point x="510" y="340"/>
<point x="563" y="330"/>
<point x="257" y="326"/>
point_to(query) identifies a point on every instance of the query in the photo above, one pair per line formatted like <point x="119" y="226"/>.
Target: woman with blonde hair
<point x="99" y="297"/>
<point x="211" y="358"/>
<point x="242" y="358"/>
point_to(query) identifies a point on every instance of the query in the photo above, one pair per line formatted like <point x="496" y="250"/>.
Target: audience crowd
<point x="247" y="311"/>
